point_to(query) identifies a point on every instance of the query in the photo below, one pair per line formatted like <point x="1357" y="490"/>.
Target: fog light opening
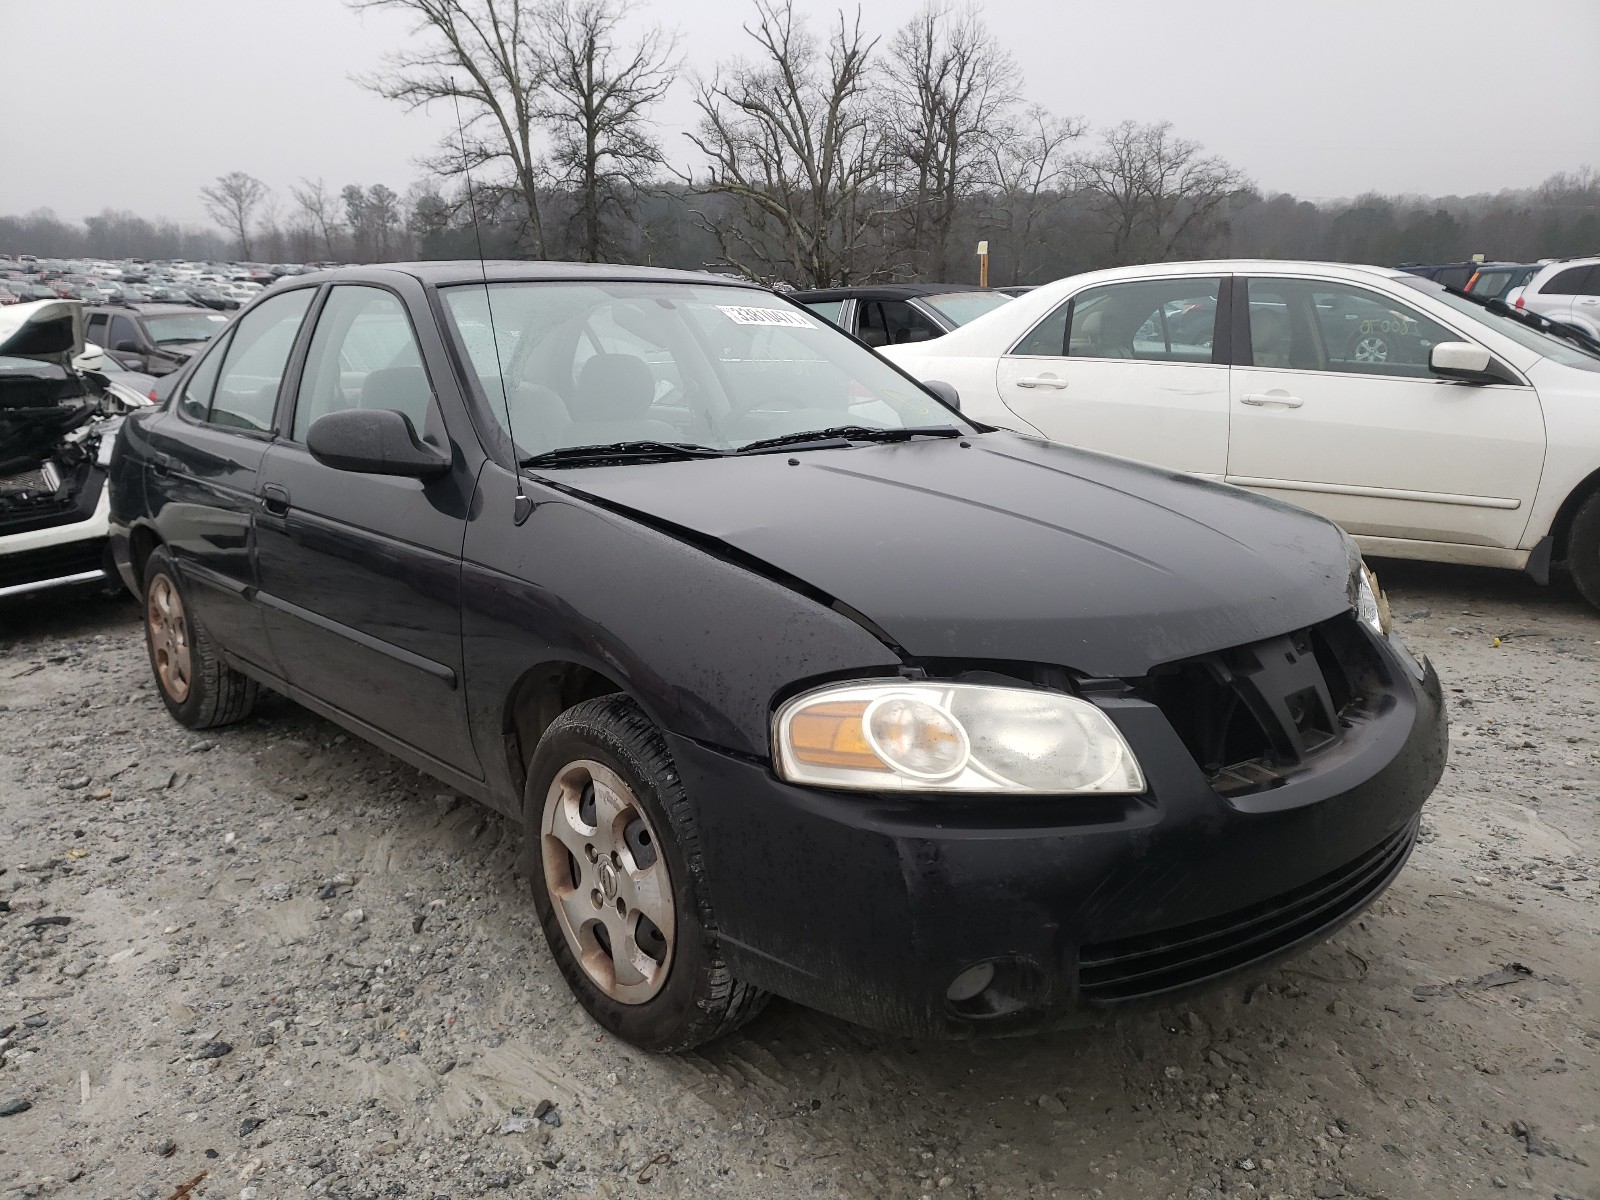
<point x="970" y="983"/>
<point x="998" y="988"/>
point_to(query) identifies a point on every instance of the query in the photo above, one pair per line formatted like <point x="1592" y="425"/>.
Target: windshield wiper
<point x="839" y="436"/>
<point x="1544" y="324"/>
<point x="615" y="451"/>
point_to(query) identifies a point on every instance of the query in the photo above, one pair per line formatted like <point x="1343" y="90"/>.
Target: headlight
<point x="1366" y="597"/>
<point x="893" y="735"/>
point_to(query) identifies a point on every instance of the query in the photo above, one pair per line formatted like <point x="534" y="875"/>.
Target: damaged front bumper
<point x="984" y="916"/>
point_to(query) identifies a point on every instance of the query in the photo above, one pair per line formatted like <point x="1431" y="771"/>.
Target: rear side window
<point x="1567" y="283"/>
<point x="1156" y="320"/>
<point x="363" y="355"/>
<point x="246" y="390"/>
<point x="1591" y="283"/>
<point x="95" y="330"/>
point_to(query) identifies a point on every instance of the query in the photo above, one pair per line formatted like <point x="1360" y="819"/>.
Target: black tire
<point x="215" y="694"/>
<point x="700" y="999"/>
<point x="1583" y="550"/>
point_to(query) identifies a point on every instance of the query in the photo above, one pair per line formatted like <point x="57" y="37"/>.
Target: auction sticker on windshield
<point x="764" y="316"/>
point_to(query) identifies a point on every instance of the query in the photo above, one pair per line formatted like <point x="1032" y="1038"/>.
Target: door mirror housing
<point x="373" y="441"/>
<point x="127" y="347"/>
<point x="1465" y="363"/>
<point x="944" y="391"/>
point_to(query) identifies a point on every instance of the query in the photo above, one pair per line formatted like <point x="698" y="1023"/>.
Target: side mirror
<point x="944" y="391"/>
<point x="127" y="347"/>
<point x="1466" y="363"/>
<point x="373" y="441"/>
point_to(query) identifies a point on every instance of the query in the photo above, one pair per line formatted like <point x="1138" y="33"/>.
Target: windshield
<point x="1568" y="354"/>
<point x="184" y="327"/>
<point x="961" y="307"/>
<point x="588" y="364"/>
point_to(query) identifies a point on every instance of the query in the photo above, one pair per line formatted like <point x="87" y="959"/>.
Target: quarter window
<point x="247" y="387"/>
<point x="363" y="354"/>
<point x="828" y="310"/>
<point x="1157" y="320"/>
<point x="1317" y="325"/>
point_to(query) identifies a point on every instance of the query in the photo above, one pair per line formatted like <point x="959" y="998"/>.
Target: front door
<point x="361" y="574"/>
<point x="1129" y="368"/>
<point x="1335" y="409"/>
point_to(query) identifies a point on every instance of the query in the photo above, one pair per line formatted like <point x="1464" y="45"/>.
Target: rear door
<point x="1555" y="296"/>
<point x="1134" y="368"/>
<point x="361" y="574"/>
<point x="1335" y="409"/>
<point x="206" y="450"/>
<point x="1586" y="300"/>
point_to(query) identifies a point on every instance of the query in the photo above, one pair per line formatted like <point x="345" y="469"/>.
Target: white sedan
<point x="1425" y="424"/>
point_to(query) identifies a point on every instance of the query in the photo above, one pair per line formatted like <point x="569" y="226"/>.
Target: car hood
<point x="45" y="330"/>
<point x="1013" y="549"/>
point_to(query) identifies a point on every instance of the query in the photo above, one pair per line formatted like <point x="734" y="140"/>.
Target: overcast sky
<point x="134" y="104"/>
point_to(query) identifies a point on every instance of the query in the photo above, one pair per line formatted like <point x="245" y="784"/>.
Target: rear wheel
<point x="619" y="884"/>
<point x="198" y="688"/>
<point x="1583" y="550"/>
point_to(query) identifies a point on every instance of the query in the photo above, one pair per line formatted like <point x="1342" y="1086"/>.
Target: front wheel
<point x="619" y="884"/>
<point x="1583" y="550"/>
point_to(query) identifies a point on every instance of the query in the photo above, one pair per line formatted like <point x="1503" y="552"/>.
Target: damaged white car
<point x="57" y="426"/>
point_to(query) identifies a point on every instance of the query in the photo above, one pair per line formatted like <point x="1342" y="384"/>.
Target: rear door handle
<point x="1271" y="400"/>
<point x="1042" y="381"/>
<point x="275" y="500"/>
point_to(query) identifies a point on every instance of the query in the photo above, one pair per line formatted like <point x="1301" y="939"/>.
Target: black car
<point x="1492" y="281"/>
<point x="156" y="339"/>
<point x="891" y="314"/>
<point x="1453" y="275"/>
<point x="798" y="681"/>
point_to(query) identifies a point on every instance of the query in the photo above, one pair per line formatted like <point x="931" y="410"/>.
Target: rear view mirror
<point x="373" y="441"/>
<point x="944" y="391"/>
<point x="1466" y="363"/>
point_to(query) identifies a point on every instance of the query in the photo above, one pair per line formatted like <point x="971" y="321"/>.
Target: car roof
<point x="883" y="291"/>
<point x="153" y="309"/>
<point x="446" y="273"/>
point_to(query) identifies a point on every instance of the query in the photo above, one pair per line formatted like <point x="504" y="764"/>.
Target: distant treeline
<point x="674" y="227"/>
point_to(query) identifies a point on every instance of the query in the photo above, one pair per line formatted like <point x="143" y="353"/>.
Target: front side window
<point x="585" y="364"/>
<point x="363" y="355"/>
<point x="1154" y="320"/>
<point x="195" y="399"/>
<point x="122" y="330"/>
<point x="892" y="323"/>
<point x="1320" y="325"/>
<point x="247" y="387"/>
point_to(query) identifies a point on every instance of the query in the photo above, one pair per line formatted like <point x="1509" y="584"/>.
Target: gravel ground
<point x="276" y="961"/>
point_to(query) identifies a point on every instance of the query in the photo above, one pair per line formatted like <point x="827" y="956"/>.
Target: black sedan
<point x="799" y="682"/>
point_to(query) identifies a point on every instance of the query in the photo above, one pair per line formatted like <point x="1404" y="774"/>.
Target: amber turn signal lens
<point x="831" y="735"/>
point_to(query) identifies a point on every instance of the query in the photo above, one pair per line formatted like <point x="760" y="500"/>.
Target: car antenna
<point x="522" y="506"/>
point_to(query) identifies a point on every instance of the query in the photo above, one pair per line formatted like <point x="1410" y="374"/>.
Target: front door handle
<point x="1271" y="400"/>
<point x="275" y="500"/>
<point x="1041" y="381"/>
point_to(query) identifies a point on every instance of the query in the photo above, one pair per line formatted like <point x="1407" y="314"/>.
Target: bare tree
<point x="231" y="201"/>
<point x="317" y="203"/>
<point x="1031" y="169"/>
<point x="792" y="140"/>
<point x="1159" y="196"/>
<point x="480" y="54"/>
<point x="951" y="88"/>
<point x="593" y="104"/>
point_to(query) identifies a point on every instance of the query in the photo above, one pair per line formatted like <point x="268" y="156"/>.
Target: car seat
<point x="1269" y="337"/>
<point x="615" y="392"/>
<point x="403" y="389"/>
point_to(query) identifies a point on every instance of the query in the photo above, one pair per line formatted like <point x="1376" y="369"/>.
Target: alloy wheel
<point x="608" y="881"/>
<point x="169" y="637"/>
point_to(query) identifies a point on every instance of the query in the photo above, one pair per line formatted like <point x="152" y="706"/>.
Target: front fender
<point x="699" y="641"/>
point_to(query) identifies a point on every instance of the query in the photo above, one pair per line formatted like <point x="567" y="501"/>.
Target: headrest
<point x="614" y="387"/>
<point x="402" y="388"/>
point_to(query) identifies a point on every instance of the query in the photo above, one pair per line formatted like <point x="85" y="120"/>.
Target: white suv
<point x="1568" y="290"/>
